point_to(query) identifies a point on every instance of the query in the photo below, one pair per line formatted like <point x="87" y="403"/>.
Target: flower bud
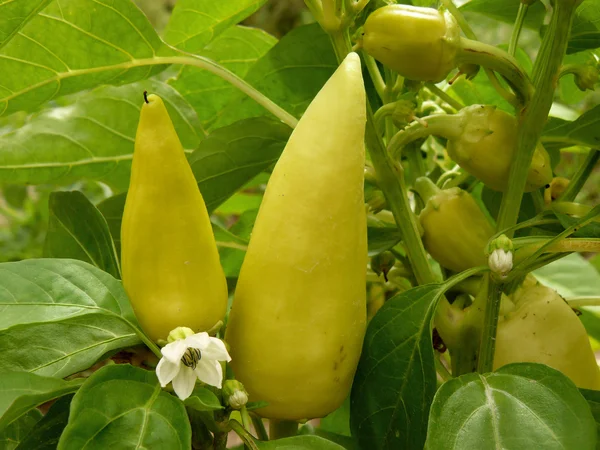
<point x="234" y="394"/>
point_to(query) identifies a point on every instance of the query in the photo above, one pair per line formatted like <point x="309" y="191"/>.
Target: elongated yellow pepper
<point x="170" y="263"/>
<point x="299" y="314"/>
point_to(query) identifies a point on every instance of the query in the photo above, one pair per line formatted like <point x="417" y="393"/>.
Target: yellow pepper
<point x="299" y="314"/>
<point x="170" y="263"/>
<point x="542" y="328"/>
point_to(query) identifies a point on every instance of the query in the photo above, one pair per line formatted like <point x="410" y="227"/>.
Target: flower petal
<point x="174" y="351"/>
<point x="198" y="340"/>
<point x="216" y="350"/>
<point x="166" y="371"/>
<point x="209" y="372"/>
<point x="184" y="382"/>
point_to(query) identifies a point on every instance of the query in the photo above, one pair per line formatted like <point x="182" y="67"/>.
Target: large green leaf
<point x="47" y="431"/>
<point x="395" y="381"/>
<point x="572" y="276"/>
<point x="74" y="45"/>
<point x="124" y="407"/>
<point x="90" y="135"/>
<point x="521" y="406"/>
<point x="585" y="31"/>
<point x="60" y="316"/>
<point x="593" y="399"/>
<point x="195" y="23"/>
<point x="237" y="49"/>
<point x="290" y="74"/>
<point x="14" y="15"/>
<point x="506" y="11"/>
<point x="299" y="443"/>
<point x="15" y="434"/>
<point x="22" y="391"/>
<point x="584" y="131"/>
<point x="77" y="230"/>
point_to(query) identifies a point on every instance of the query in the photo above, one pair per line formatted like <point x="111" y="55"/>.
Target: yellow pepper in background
<point x="298" y="319"/>
<point x="170" y="263"/>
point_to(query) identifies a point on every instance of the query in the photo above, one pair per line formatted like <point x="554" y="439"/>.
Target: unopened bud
<point x="234" y="394"/>
<point x="500" y="258"/>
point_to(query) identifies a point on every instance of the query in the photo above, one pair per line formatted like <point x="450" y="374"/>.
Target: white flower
<point x="195" y="356"/>
<point x="500" y="262"/>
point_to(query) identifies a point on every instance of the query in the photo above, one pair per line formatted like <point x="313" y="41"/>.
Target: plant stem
<point x="533" y="117"/>
<point x="580" y="176"/>
<point x="490" y="57"/>
<point x="279" y="429"/>
<point x="382" y="113"/>
<point x="516" y="32"/>
<point x="259" y="426"/>
<point x="245" y="418"/>
<point x="243" y="434"/>
<point x="487" y="346"/>
<point x="149" y="343"/>
<point x="577" y="302"/>
<point x="444" y="96"/>
<point x="375" y="74"/>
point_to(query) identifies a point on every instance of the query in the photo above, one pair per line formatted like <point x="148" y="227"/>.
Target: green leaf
<point x="233" y="155"/>
<point x="61" y="316"/>
<point x="571" y="276"/>
<point x="195" y="23"/>
<point x="77" y="230"/>
<point x="232" y="258"/>
<point x="381" y="239"/>
<point x="585" y="31"/>
<point x="395" y="381"/>
<point x="506" y="11"/>
<point x="202" y="399"/>
<point x="520" y="406"/>
<point x="237" y="49"/>
<point x="584" y="131"/>
<point x="14" y="16"/>
<point x="338" y="421"/>
<point x="123" y="407"/>
<point x="290" y="74"/>
<point x="299" y="443"/>
<point x="47" y="431"/>
<point x="74" y="45"/>
<point x="13" y="435"/>
<point x="20" y="392"/>
<point x="593" y="399"/>
<point x="88" y="136"/>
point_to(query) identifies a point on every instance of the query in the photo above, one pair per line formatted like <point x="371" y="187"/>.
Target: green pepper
<point x="418" y="43"/>
<point x="455" y="229"/>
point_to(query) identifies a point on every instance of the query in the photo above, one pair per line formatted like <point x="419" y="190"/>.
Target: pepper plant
<point x="367" y="222"/>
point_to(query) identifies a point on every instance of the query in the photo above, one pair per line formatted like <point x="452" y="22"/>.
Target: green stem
<point x="533" y="222"/>
<point x="245" y="418"/>
<point x="444" y="96"/>
<point x="577" y="302"/>
<point x="149" y="343"/>
<point x="383" y="112"/>
<point x="460" y="19"/>
<point x="490" y="57"/>
<point x="487" y="347"/>
<point x="516" y="32"/>
<point x="259" y="426"/>
<point x="580" y="176"/>
<point x="441" y="369"/>
<point x="243" y="434"/>
<point x="448" y="126"/>
<point x="566" y="245"/>
<point x="557" y="239"/>
<point x="538" y="201"/>
<point x="375" y="74"/>
<point x="279" y="429"/>
<point x="533" y="117"/>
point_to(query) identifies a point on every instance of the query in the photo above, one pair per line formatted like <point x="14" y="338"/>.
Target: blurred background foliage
<point x="24" y="209"/>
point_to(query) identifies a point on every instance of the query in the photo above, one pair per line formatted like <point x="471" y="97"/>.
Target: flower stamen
<point x="191" y="357"/>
